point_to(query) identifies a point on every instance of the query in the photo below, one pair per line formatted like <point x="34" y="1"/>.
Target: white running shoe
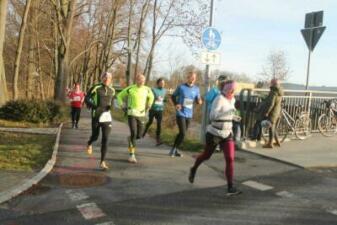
<point x="132" y="159"/>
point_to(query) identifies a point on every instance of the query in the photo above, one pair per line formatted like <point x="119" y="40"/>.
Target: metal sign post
<point x="312" y="32"/>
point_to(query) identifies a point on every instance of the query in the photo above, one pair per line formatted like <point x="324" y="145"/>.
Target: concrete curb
<point x="28" y="183"/>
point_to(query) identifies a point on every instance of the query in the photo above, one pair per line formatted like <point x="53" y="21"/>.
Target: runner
<point x="139" y="99"/>
<point x="184" y="98"/>
<point x="213" y="93"/>
<point x="220" y="132"/>
<point x="100" y="99"/>
<point x="157" y="108"/>
<point x="76" y="97"/>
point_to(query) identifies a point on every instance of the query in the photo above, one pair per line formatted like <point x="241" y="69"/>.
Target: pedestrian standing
<point x="184" y="98"/>
<point x="136" y="100"/>
<point x="157" y="108"/>
<point x="100" y="100"/>
<point x="76" y="97"/>
<point x="219" y="132"/>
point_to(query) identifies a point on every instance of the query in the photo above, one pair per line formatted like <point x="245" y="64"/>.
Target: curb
<point x="28" y="183"/>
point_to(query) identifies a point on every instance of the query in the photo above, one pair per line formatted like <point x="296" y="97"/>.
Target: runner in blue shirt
<point x="157" y="108"/>
<point x="184" y="98"/>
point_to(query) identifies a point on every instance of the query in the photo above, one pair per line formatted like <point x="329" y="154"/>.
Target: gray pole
<point x="205" y="112"/>
<point x="308" y="71"/>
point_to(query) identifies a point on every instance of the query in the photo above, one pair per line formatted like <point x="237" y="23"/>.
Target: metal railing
<point x="311" y="101"/>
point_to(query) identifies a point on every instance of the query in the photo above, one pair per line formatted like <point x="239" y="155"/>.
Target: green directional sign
<point x="312" y="36"/>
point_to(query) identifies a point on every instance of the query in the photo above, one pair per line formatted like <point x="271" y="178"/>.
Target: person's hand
<point x="178" y="107"/>
<point x="199" y="101"/>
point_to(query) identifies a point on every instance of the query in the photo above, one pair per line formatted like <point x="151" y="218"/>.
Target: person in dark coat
<point x="271" y="110"/>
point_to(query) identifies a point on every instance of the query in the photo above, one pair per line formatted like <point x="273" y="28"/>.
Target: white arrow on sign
<point x="211" y="58"/>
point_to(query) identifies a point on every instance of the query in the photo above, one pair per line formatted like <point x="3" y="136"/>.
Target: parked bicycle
<point x="327" y="122"/>
<point x="300" y="126"/>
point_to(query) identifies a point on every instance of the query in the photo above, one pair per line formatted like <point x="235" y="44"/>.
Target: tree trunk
<point x="65" y="29"/>
<point x="19" y="50"/>
<point x="3" y="83"/>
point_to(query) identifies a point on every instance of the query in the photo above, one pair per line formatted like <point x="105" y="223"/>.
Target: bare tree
<point x="3" y="83"/>
<point x="65" y="11"/>
<point x="276" y="67"/>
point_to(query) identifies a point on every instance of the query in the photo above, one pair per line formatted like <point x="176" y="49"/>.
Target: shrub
<point x="34" y="111"/>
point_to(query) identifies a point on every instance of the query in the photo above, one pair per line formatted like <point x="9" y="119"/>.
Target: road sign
<point x="313" y="19"/>
<point x="211" y="38"/>
<point x="312" y="36"/>
<point x="211" y="58"/>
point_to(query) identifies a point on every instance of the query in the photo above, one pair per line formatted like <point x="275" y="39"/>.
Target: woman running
<point x="220" y="132"/>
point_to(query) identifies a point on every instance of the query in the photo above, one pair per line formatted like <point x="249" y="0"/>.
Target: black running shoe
<point x="233" y="191"/>
<point x="191" y="175"/>
<point x="178" y="154"/>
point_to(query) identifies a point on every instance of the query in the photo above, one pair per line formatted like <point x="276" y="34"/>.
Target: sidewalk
<point x="314" y="152"/>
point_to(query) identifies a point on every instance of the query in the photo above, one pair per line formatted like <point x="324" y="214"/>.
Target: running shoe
<point x="89" y="149"/>
<point x="191" y="175"/>
<point x="178" y="154"/>
<point x="132" y="159"/>
<point x="233" y="191"/>
<point x="103" y="166"/>
<point x="172" y="152"/>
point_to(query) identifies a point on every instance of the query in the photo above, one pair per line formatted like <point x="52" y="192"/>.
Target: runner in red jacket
<point x="76" y="97"/>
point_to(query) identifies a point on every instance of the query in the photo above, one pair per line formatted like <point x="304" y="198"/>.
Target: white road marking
<point x="257" y="185"/>
<point x="285" y="194"/>
<point x="332" y="211"/>
<point x="107" y="223"/>
<point x="90" y="211"/>
<point x="77" y="195"/>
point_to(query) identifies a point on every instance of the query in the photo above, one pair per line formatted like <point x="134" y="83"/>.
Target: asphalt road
<point x="156" y="191"/>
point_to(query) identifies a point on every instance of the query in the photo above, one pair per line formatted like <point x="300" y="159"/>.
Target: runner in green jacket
<point x="136" y="100"/>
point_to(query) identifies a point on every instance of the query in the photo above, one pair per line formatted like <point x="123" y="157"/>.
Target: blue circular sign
<point x="211" y="38"/>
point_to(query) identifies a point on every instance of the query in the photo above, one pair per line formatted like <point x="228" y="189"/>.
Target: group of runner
<point x="138" y="100"/>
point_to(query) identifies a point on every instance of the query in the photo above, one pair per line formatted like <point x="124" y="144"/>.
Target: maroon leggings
<point x="227" y="146"/>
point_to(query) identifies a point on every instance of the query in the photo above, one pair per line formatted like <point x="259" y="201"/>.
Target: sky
<point x="251" y="29"/>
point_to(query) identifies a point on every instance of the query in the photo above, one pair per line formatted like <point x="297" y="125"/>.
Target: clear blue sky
<point x="252" y="28"/>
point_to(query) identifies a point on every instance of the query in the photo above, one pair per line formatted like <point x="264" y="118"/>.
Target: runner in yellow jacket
<point x="136" y="100"/>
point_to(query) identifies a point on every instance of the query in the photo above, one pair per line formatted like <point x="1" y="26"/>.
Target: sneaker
<point x="103" y="166"/>
<point x="89" y="149"/>
<point x="233" y="191"/>
<point x="132" y="159"/>
<point x="178" y="154"/>
<point x="172" y="152"/>
<point x="191" y="175"/>
<point x="76" y="126"/>
<point x="73" y="126"/>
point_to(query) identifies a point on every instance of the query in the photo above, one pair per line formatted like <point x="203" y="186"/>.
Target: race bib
<point x="76" y="98"/>
<point x="159" y="101"/>
<point x="105" y="117"/>
<point x="188" y="103"/>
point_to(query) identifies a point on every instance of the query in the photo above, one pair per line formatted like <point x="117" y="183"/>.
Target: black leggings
<point x="183" y="124"/>
<point x="136" y="126"/>
<point x="159" y="116"/>
<point x="106" y="129"/>
<point x="75" y="114"/>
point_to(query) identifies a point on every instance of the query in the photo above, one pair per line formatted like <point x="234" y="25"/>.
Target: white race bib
<point x="105" y="117"/>
<point x="159" y="101"/>
<point x="76" y="99"/>
<point x="188" y="103"/>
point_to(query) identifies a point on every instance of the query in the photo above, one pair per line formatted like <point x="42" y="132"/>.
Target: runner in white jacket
<point x="220" y="132"/>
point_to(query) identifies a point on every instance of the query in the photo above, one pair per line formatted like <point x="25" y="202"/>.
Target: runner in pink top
<point x="76" y="97"/>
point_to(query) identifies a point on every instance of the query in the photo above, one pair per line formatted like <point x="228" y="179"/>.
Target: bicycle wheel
<point x="327" y="125"/>
<point x="282" y="128"/>
<point x="303" y="127"/>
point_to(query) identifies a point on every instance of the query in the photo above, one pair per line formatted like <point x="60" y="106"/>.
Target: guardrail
<point x="310" y="100"/>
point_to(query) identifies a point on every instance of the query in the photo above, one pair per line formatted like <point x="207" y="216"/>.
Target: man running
<point x="136" y="100"/>
<point x="100" y="99"/>
<point x="157" y="108"/>
<point x="76" y="97"/>
<point x="184" y="98"/>
<point x="219" y="132"/>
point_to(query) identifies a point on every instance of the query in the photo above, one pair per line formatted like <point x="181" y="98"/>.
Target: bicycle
<point x="327" y="122"/>
<point x="300" y="126"/>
